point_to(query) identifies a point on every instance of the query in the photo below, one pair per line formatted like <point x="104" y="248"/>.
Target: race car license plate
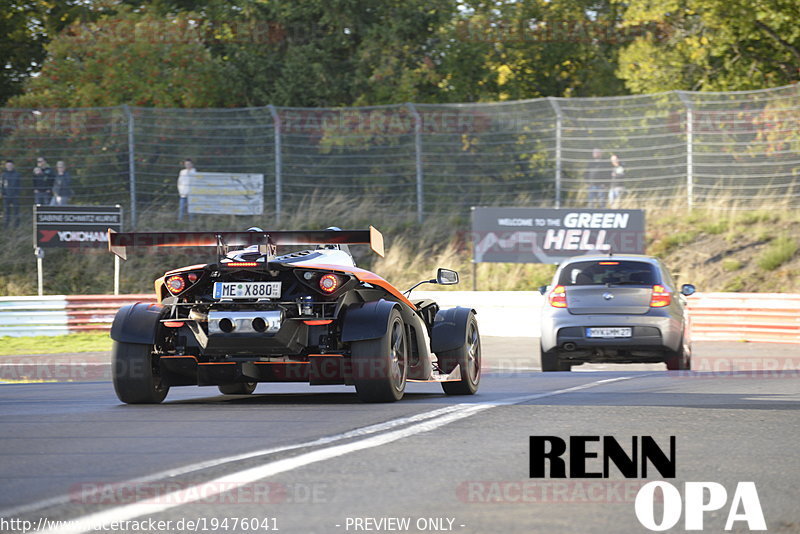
<point x="609" y="332"/>
<point x="247" y="290"/>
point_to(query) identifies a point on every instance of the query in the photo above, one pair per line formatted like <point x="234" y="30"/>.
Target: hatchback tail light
<point x="558" y="297"/>
<point x="660" y="297"/>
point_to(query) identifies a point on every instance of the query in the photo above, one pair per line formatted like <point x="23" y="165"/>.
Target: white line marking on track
<point x="424" y="422"/>
<point x="199" y="466"/>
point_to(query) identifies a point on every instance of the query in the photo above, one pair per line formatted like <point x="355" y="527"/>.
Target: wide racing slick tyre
<point x="380" y="365"/>
<point x="238" y="388"/>
<point x="681" y="359"/>
<point x="550" y="361"/>
<point x="468" y="357"/>
<point x="136" y="376"/>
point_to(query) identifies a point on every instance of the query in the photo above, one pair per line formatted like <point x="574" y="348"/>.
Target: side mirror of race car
<point x="446" y="277"/>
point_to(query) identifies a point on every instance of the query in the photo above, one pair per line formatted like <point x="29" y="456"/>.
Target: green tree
<point x="712" y="45"/>
<point x="127" y="57"/>
<point x="25" y="29"/>
<point x="510" y="50"/>
<point x="323" y="53"/>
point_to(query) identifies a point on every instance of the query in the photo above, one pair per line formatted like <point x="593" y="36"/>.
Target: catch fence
<point x="733" y="150"/>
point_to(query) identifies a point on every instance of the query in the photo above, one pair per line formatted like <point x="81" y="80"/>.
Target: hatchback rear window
<point x="602" y="272"/>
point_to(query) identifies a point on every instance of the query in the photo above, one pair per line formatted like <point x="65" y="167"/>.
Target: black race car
<point x="306" y="316"/>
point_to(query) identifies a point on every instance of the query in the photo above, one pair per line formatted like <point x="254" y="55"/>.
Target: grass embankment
<point x="730" y="251"/>
<point x="88" y="342"/>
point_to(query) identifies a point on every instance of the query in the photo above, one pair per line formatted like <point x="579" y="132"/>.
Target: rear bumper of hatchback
<point x="652" y="333"/>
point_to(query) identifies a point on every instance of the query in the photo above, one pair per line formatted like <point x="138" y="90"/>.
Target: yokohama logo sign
<point x="78" y="236"/>
<point x="75" y="226"/>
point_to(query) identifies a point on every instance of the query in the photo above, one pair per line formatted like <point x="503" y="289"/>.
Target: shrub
<point x="731" y="264"/>
<point x="777" y="253"/>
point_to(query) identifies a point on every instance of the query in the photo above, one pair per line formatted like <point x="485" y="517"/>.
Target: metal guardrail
<point x="758" y="317"/>
<point x="61" y="314"/>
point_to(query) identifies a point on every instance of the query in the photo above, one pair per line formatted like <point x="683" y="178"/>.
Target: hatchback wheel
<point x="681" y="359"/>
<point x="550" y="361"/>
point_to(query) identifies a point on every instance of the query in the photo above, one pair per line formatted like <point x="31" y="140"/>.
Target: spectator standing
<point x="11" y="182"/>
<point x="62" y="186"/>
<point x="41" y="193"/>
<point x="47" y="181"/>
<point x="616" y="190"/>
<point x="185" y="188"/>
<point x="596" y="176"/>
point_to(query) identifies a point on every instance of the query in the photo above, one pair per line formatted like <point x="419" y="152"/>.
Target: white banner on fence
<point x="227" y="193"/>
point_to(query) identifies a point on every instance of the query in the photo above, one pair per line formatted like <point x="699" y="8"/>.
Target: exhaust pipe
<point x="244" y="323"/>
<point x="226" y="325"/>
<point x="569" y="346"/>
<point x="259" y="325"/>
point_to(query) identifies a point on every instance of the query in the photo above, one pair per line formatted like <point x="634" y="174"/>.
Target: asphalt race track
<point x="298" y="459"/>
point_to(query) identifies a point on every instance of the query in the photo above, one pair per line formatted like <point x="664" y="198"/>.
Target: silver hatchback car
<point x="614" y="309"/>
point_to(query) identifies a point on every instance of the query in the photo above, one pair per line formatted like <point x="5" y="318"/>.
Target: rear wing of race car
<point x="118" y="242"/>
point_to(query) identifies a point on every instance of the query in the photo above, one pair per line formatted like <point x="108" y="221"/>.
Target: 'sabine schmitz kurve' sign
<point x="75" y="226"/>
<point x="545" y="235"/>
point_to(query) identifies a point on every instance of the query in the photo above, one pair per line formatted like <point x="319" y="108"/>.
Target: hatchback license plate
<point x="247" y="290"/>
<point x="609" y="332"/>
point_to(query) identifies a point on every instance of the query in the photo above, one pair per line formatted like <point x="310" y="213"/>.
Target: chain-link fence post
<point x="276" y="123"/>
<point x="131" y="162"/>
<point x="689" y="148"/>
<point x="557" y="110"/>
<point x="418" y="161"/>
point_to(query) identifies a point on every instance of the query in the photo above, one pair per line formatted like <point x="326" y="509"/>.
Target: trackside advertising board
<point x="226" y="193"/>
<point x="75" y="226"/>
<point x="541" y="235"/>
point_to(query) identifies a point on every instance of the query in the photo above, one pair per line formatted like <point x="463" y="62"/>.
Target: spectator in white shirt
<point x="185" y="187"/>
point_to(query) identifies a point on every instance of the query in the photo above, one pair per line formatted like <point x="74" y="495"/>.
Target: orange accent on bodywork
<point x="217" y="363"/>
<point x="159" y="284"/>
<point x="318" y="322"/>
<point x="363" y="276"/>
<point x="326" y="355"/>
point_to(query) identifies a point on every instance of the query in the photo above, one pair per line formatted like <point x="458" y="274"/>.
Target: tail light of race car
<point x="558" y="297"/>
<point x="177" y="283"/>
<point x="329" y="283"/>
<point x="660" y="298"/>
<point x="240" y="264"/>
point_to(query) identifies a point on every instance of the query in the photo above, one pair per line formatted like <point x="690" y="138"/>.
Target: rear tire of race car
<point x="135" y="374"/>
<point x="681" y="359"/>
<point x="380" y="365"/>
<point x="468" y="356"/>
<point x="550" y="361"/>
<point x="238" y="388"/>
